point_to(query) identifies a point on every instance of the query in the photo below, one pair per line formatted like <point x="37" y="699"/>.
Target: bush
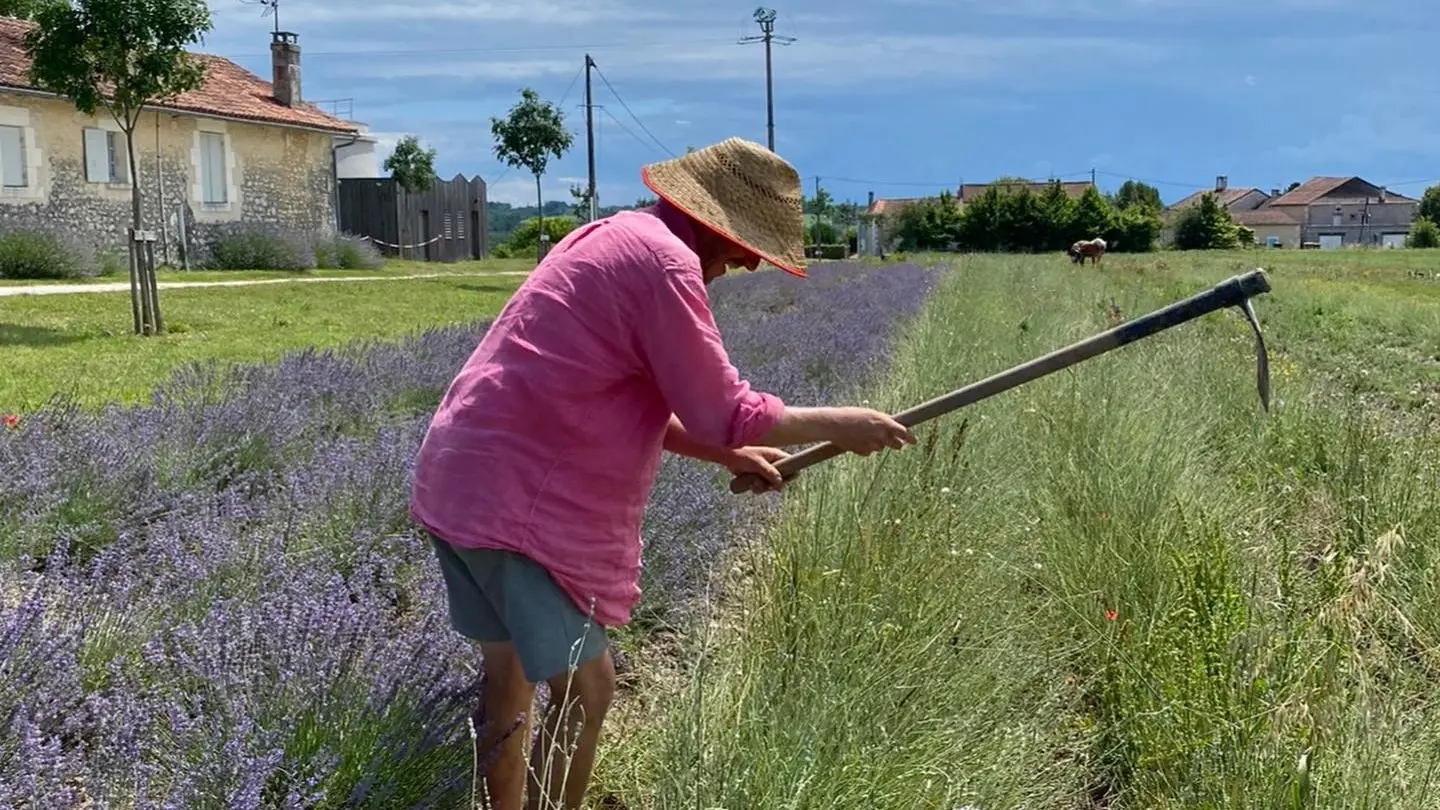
<point x="1424" y="234"/>
<point x="249" y="246"/>
<point x="43" y="253"/>
<point x="526" y="237"/>
<point x="347" y="252"/>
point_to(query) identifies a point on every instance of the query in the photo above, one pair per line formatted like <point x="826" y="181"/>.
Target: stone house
<point x="1332" y="212"/>
<point x="237" y="150"/>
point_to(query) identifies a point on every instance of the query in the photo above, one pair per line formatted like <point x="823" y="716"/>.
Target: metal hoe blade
<point x="1262" y="356"/>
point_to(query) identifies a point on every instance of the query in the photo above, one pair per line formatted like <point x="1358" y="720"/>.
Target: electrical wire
<point x="637" y="120"/>
<point x="647" y="44"/>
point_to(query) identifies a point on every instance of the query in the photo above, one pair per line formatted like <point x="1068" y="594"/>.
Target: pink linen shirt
<point x="548" y="441"/>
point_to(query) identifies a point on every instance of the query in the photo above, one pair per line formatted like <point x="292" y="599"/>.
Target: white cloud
<point x="832" y="62"/>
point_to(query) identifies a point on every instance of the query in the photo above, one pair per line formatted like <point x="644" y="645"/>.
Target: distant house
<point x="1332" y="212"/>
<point x="1325" y="211"/>
<point x="872" y="238"/>
<point x="1232" y="198"/>
<point x="238" y="149"/>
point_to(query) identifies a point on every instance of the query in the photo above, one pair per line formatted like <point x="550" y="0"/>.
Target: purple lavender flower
<point x="216" y="599"/>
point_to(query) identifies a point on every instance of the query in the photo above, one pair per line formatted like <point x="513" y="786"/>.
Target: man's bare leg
<point x="508" y="695"/>
<point x="568" y="743"/>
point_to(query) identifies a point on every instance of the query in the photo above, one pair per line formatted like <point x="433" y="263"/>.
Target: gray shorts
<point x="498" y="596"/>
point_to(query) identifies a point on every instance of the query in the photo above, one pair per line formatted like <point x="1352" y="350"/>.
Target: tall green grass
<point x="1120" y="586"/>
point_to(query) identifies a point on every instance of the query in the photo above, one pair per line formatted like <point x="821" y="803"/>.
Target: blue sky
<point x="902" y="97"/>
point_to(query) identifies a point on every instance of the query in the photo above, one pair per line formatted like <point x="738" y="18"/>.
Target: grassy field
<point x="1121" y="586"/>
<point x="84" y="344"/>
<point x="391" y="268"/>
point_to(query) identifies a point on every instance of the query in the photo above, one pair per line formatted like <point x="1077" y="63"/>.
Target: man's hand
<point x="864" y="431"/>
<point x="761" y="462"/>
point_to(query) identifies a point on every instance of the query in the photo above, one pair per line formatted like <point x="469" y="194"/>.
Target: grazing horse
<point x="1092" y="249"/>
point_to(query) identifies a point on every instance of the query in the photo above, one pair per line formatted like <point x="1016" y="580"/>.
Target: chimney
<point x="285" y="62"/>
<point x="1382" y="195"/>
<point x="1274" y="192"/>
<point x="871" y="204"/>
<point x="1221" y="182"/>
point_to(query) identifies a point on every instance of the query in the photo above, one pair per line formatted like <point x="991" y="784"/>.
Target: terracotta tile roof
<point x="1311" y="190"/>
<point x="1264" y="216"/>
<point x="229" y="90"/>
<point x="1227" y="198"/>
<point x="882" y="207"/>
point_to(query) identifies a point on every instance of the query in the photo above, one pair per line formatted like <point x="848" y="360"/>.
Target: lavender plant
<point x="217" y="599"/>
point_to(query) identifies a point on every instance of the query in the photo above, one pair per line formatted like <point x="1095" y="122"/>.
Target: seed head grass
<point x="1123" y="585"/>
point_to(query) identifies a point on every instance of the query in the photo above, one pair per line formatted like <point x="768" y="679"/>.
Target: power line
<point x="650" y="44"/>
<point x="637" y="120"/>
<point x="626" y="129"/>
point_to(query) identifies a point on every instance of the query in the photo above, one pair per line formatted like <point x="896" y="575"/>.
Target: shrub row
<point x="253" y="246"/>
<point x="45" y="251"/>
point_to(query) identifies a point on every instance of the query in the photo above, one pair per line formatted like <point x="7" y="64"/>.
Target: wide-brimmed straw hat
<point x="742" y="191"/>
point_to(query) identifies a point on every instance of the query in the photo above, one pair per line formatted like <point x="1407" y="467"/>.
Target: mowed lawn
<point x="84" y="345"/>
<point x="1124" y="585"/>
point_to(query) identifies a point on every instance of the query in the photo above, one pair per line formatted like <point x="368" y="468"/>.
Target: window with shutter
<point x="12" y="156"/>
<point x="119" y="158"/>
<point x="97" y="156"/>
<point x="212" y="167"/>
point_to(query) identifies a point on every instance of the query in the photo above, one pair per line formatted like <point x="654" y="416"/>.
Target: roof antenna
<point x="272" y="7"/>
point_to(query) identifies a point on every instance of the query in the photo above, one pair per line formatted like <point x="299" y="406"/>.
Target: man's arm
<point x="679" y="442"/>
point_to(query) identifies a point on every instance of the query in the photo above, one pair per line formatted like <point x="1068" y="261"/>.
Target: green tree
<point x="411" y="165"/>
<point x="1058" y="214"/>
<point x="121" y="55"/>
<point x="1209" y="226"/>
<point x="25" y="9"/>
<point x="529" y="136"/>
<point x="818" y="207"/>
<point x="1135" y="229"/>
<point x="930" y="224"/>
<point x="1021" y="224"/>
<point x="1135" y="193"/>
<point x="980" y="222"/>
<point x="526" y="237"/>
<point x="1424" y="233"/>
<point x="1093" y="216"/>
<point x="1430" y="205"/>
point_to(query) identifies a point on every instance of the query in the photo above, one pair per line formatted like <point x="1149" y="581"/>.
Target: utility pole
<point x="590" y="137"/>
<point x="1092" y="177"/>
<point x="766" y="18"/>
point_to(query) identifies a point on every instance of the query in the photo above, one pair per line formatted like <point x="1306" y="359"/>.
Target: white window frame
<point x="116" y="157"/>
<point x="197" y="163"/>
<point x="34" y="155"/>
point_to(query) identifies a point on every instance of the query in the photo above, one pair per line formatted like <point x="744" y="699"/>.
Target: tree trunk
<point x="540" y="221"/>
<point x="143" y="268"/>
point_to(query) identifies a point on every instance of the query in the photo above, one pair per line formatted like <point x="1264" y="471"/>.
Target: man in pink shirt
<point x="534" y="474"/>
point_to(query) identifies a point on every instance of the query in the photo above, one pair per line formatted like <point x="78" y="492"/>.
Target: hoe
<point x="1235" y="291"/>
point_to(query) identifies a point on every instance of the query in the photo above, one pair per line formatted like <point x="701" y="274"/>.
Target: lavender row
<point x="216" y="599"/>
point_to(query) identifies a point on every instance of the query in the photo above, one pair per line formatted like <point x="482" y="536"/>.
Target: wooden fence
<point x="447" y="223"/>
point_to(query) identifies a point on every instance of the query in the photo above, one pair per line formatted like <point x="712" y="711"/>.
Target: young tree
<point x="411" y="165"/>
<point x="532" y="133"/>
<point x="121" y="55"/>
<point x="1135" y="193"/>
<point x="1429" y="207"/>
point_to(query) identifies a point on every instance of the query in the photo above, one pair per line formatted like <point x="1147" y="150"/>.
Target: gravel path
<point x="124" y="286"/>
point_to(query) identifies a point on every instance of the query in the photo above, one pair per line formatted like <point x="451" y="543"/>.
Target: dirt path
<point x="124" y="286"/>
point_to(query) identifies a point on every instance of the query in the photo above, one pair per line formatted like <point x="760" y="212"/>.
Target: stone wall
<point x="278" y="177"/>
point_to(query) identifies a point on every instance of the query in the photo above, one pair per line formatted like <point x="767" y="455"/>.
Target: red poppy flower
<point x="1112" y="615"/>
<point x="12" y="421"/>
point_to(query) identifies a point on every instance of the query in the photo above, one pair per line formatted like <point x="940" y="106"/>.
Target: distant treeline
<point x="1012" y="218"/>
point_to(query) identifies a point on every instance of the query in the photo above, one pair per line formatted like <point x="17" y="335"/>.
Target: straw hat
<point x="742" y="191"/>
